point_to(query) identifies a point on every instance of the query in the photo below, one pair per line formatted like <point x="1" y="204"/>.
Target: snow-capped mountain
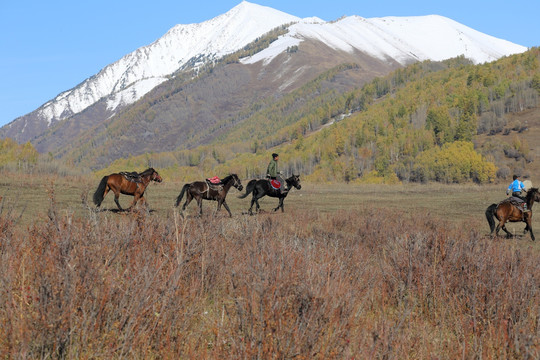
<point x="403" y="39"/>
<point x="128" y="79"/>
<point x="391" y="39"/>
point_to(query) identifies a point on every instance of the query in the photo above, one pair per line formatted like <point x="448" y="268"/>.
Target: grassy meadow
<point x="347" y="272"/>
<point x="29" y="198"/>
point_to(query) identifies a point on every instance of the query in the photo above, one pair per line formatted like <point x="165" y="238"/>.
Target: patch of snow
<point x="403" y="39"/>
<point x="133" y="93"/>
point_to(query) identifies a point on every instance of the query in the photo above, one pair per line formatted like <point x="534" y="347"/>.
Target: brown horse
<point x="119" y="184"/>
<point x="202" y="190"/>
<point x="506" y="211"/>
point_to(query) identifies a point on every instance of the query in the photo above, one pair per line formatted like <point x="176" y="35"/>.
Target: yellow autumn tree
<point x="455" y="162"/>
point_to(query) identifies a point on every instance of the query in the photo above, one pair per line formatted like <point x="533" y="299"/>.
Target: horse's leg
<point x="254" y="201"/>
<point x="250" y="211"/>
<point x="142" y="201"/>
<point x="227" y="208"/>
<point x="107" y="188"/>
<point x="280" y="205"/>
<point x="199" y="202"/>
<point x="508" y="233"/>
<point x="116" y="196"/>
<point x="136" y="198"/>
<point x="219" y="202"/>
<point x="499" y="226"/>
<point x="116" y="192"/>
<point x="258" y="207"/>
<point x="528" y="221"/>
<point x="189" y="197"/>
<point x="502" y="225"/>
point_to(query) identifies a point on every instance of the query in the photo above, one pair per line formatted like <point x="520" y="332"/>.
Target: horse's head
<point x="237" y="183"/>
<point x="156" y="177"/>
<point x="295" y="181"/>
<point x="534" y="194"/>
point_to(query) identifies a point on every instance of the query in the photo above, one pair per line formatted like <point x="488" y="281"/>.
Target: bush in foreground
<point x="364" y="284"/>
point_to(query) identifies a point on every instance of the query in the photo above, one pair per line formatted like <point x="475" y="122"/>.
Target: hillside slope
<point x="450" y="122"/>
<point x="186" y="113"/>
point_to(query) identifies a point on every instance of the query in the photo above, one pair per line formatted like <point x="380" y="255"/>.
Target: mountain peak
<point x="391" y="39"/>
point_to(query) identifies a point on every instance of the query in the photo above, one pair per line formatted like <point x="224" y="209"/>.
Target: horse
<point x="119" y="184"/>
<point x="262" y="187"/>
<point x="202" y="190"/>
<point x="505" y="211"/>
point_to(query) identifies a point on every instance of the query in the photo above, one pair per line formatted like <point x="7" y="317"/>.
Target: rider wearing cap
<point x="272" y="171"/>
<point x="516" y="187"/>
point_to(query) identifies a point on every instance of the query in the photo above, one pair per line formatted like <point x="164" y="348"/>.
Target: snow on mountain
<point x="128" y="79"/>
<point x="403" y="39"/>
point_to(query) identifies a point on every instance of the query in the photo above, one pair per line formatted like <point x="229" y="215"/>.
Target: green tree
<point x="466" y="128"/>
<point x="438" y="120"/>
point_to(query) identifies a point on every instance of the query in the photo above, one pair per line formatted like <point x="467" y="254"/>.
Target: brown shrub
<point x="357" y="284"/>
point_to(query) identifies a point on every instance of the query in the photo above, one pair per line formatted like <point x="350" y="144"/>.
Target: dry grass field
<point x="347" y="272"/>
<point x="29" y="198"/>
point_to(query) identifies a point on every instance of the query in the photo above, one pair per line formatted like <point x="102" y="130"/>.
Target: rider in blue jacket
<point x="516" y="187"/>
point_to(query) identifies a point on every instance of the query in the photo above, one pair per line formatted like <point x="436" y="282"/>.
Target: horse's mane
<point x="291" y="178"/>
<point x="531" y="192"/>
<point x="148" y="171"/>
<point x="227" y="178"/>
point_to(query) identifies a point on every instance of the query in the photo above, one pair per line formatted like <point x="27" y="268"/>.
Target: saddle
<point x="275" y="184"/>
<point x="132" y="176"/>
<point x="517" y="202"/>
<point x="214" y="183"/>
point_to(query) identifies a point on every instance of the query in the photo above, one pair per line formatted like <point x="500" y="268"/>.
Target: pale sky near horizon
<point x="51" y="46"/>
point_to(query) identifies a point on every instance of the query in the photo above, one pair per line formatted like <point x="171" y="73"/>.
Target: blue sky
<point x="51" y="46"/>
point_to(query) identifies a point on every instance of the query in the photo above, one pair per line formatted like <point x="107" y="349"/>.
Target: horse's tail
<point x="249" y="188"/>
<point x="490" y="213"/>
<point x="98" y="195"/>
<point x="179" y="198"/>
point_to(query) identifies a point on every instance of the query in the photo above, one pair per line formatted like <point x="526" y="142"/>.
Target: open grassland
<point x="346" y="272"/>
<point x="28" y="199"/>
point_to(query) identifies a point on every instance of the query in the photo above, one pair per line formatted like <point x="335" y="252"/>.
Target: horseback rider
<point x="516" y="187"/>
<point x="273" y="173"/>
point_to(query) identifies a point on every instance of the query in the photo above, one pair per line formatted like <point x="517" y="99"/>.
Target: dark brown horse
<point x="119" y="184"/>
<point x="506" y="211"/>
<point x="202" y="190"/>
<point x="262" y="187"/>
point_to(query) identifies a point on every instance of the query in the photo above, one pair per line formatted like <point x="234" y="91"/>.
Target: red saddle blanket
<point x="214" y="180"/>
<point x="275" y="184"/>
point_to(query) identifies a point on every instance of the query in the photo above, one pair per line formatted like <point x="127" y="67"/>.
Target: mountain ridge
<point x="92" y="102"/>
